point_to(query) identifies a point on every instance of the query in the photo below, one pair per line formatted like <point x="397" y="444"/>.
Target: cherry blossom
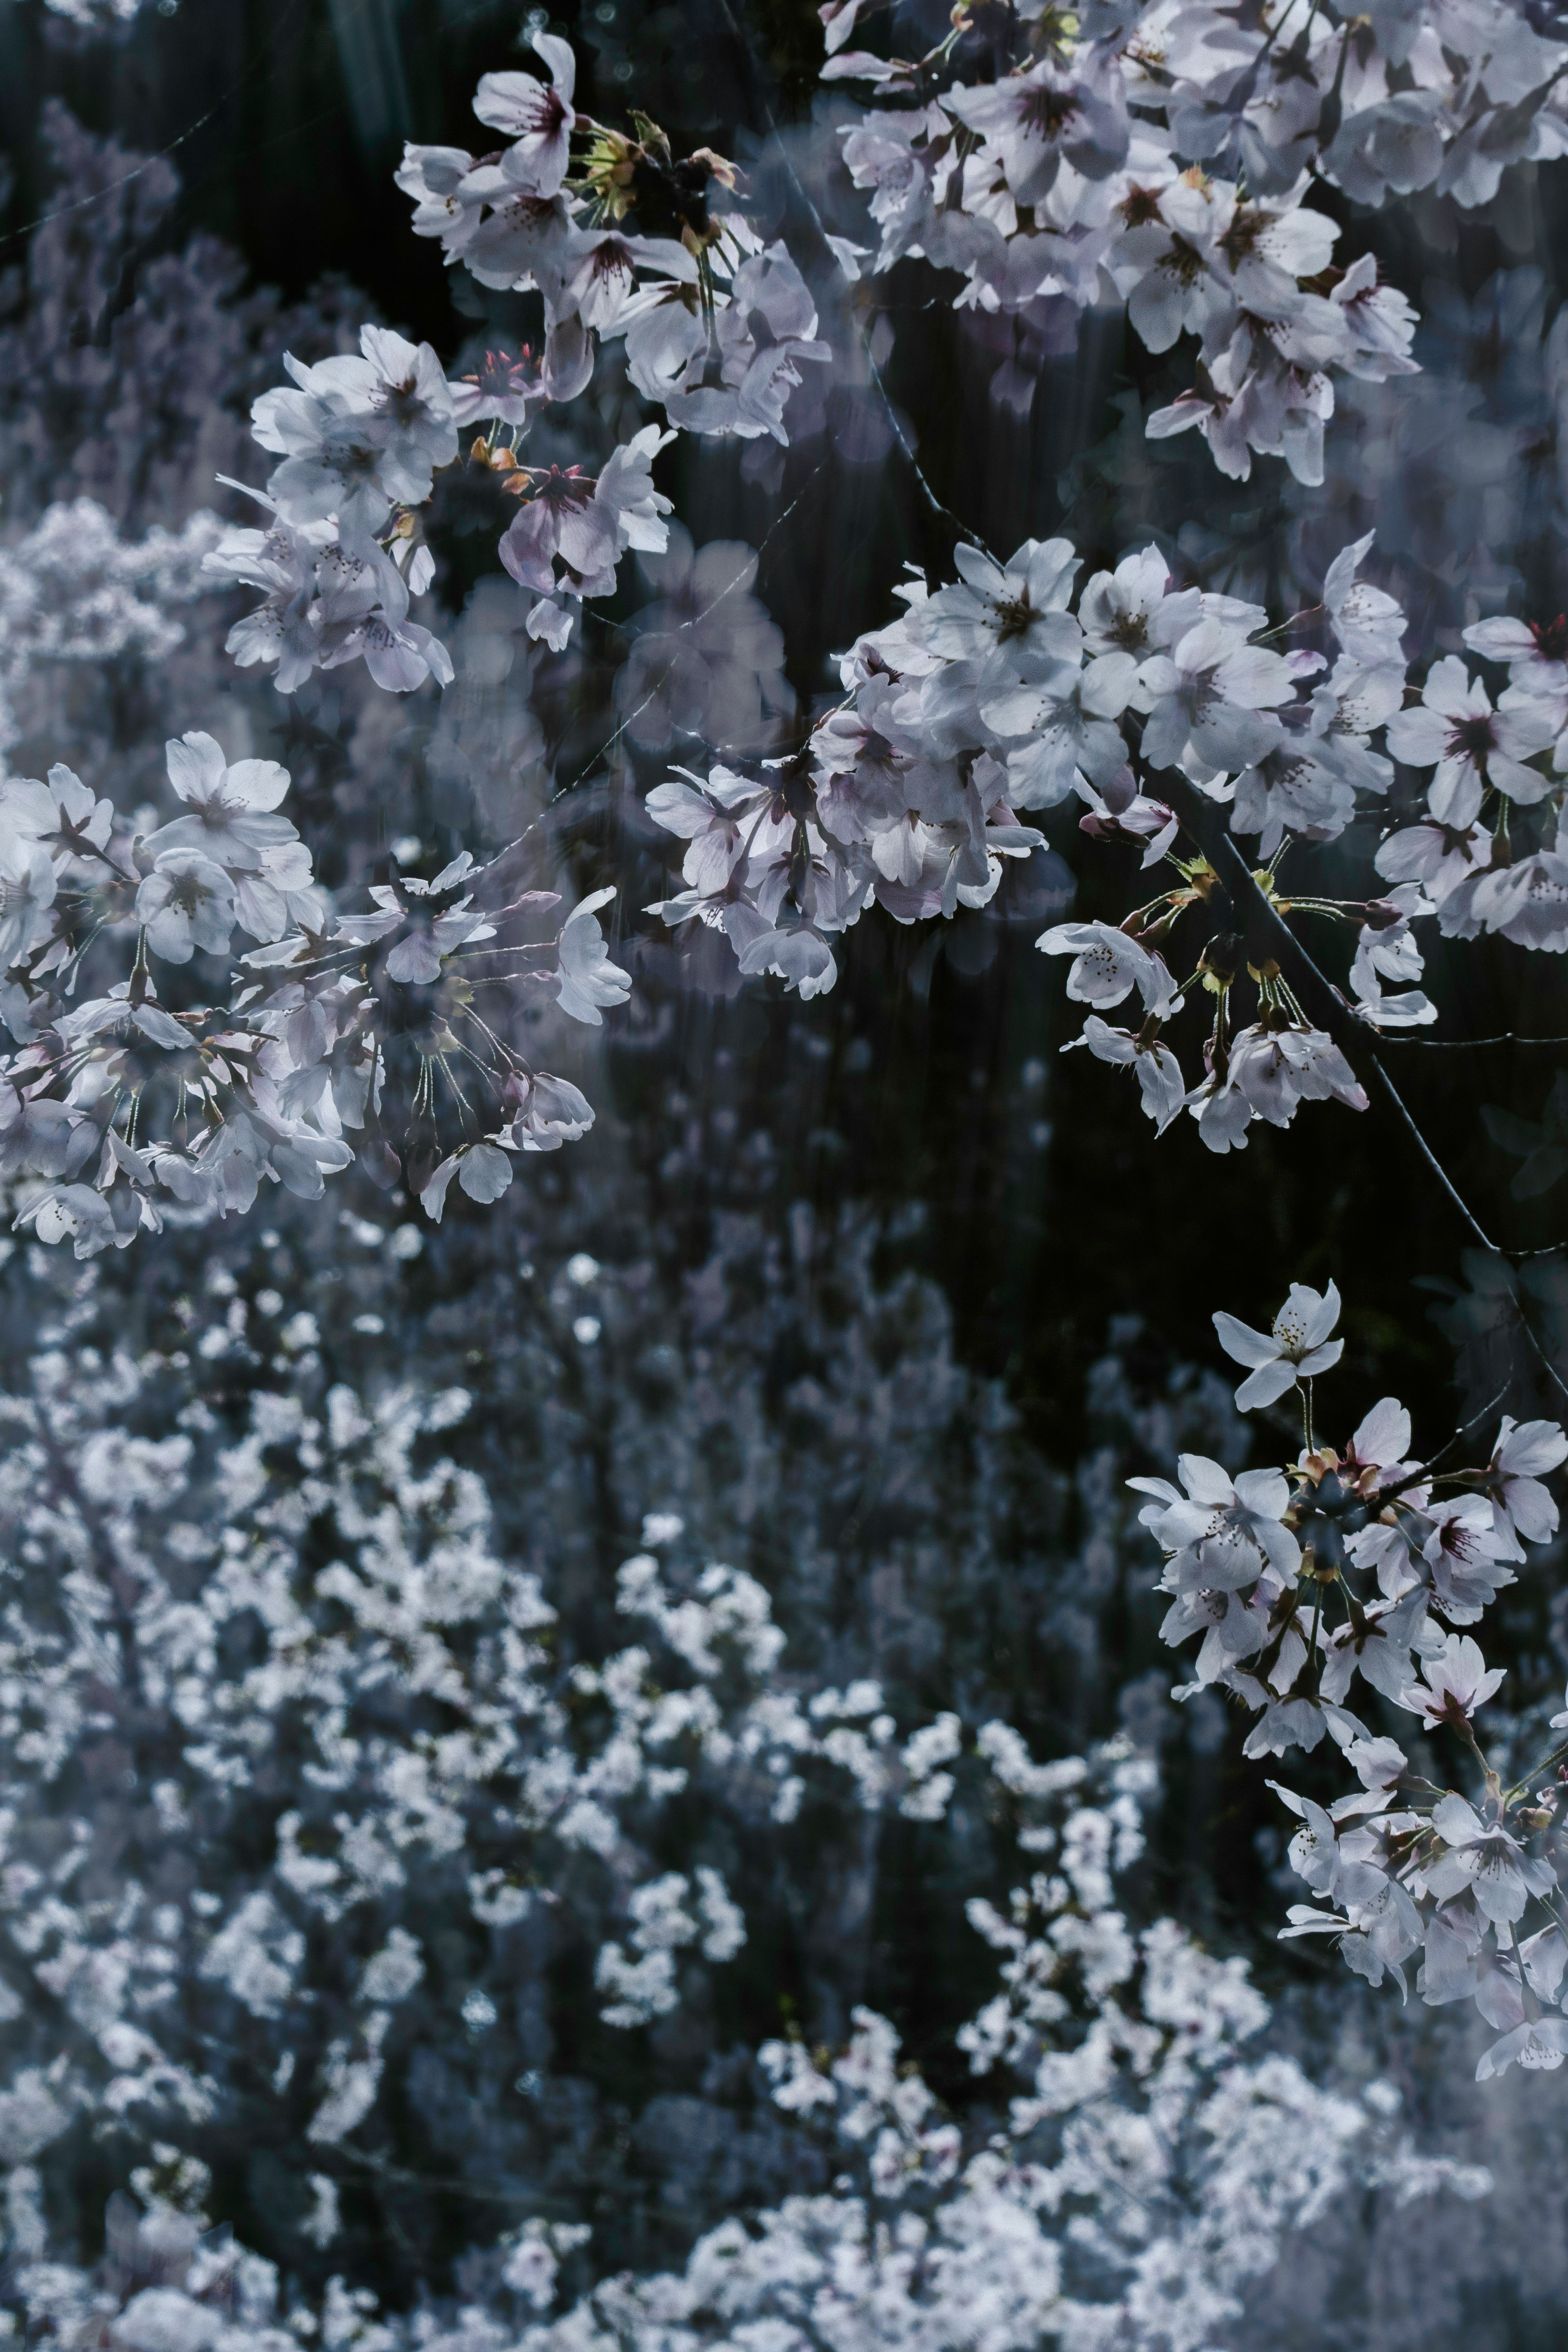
<point x="1456" y="1683"/>
<point x="1297" y="1348"/>
<point x="536" y="117"/>
<point x="1472" y="747"/>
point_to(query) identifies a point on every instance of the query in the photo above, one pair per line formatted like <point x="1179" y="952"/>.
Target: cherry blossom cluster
<point x="621" y="241"/>
<point x="363" y="1557"/>
<point x="361" y="442"/>
<point x="127" y="1095"/>
<point x="1362" y="1560"/>
<point x="1160" y="156"/>
<point x="1147" y="2170"/>
<point x="73" y="590"/>
<point x="1166" y="714"/>
<point x="1145" y="2173"/>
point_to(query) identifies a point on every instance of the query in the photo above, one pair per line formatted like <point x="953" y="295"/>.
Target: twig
<point x="1203" y="821"/>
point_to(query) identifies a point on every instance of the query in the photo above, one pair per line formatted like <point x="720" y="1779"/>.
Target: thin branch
<point x="1475" y="1421"/>
<point x="1430" y="1156"/>
<point x="1205" y="821"/>
<point x="1468" y="1045"/>
<point x="607" y="747"/>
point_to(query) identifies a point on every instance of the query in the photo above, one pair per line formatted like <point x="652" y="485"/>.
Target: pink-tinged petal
<point x="1185" y="1523"/>
<point x="1449" y="690"/>
<point x="509" y="102"/>
<point x="1530" y="1448"/>
<point x="1161" y="1488"/>
<point x="1455" y="797"/>
<point x="1243" y="1344"/>
<point x="1384" y="1436"/>
<point x="1500" y="640"/>
<point x="558" y="56"/>
<point x="1523" y="726"/>
<point x="1320" y="1317"/>
<point x="1531" y="1510"/>
<point x="1263" y="1386"/>
<point x="1205" y="1481"/>
<point x="196" y="766"/>
<point x="1264" y="1491"/>
<point x="433" y="1199"/>
<point x="1256" y="678"/>
<point x="1455" y="1822"/>
<point x="527" y="546"/>
<point x="1417" y="737"/>
<point x="1524" y="785"/>
<point x="484" y="1172"/>
<point x="256" y="783"/>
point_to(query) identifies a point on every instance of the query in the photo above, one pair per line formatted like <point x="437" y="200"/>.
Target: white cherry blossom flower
<point x="1467" y="1555"/>
<point x="1222" y="1534"/>
<point x="1445" y="861"/>
<point x="1210" y="702"/>
<point x="1161" y="1085"/>
<point x="1106" y="966"/>
<point x="738" y="377"/>
<point x="498" y="388"/>
<point x="1068" y="719"/>
<point x="27" y="883"/>
<point x="525" y="242"/>
<point x="561" y="520"/>
<point x="588" y="979"/>
<point x="1274" y="1069"/>
<point x="537" y="117"/>
<point x="601" y="279"/>
<point x="1296" y="1349"/>
<point x="231" y="819"/>
<point x="1040" y="120"/>
<point x="1231" y="1631"/>
<point x="1485" y="1859"/>
<point x="1165" y="260"/>
<point x="1368" y="623"/>
<point x="550" y="1112"/>
<point x="185" y="903"/>
<point x="1540" y="2045"/>
<point x="1536" y="652"/>
<point x="1457" y="1684"/>
<point x="1526" y="902"/>
<point x="1132" y="610"/>
<point x="433" y="177"/>
<point x="1376" y="1643"/>
<point x="1525" y="1453"/>
<point x="1455" y="730"/>
<point x="1019" y="607"/>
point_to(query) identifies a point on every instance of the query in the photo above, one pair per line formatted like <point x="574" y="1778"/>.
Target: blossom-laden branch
<point x="1362" y="1560"/>
<point x="621" y="240"/>
<point x="1165" y="712"/>
<point x="128" y="1092"/>
<point x="1124" y="152"/>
